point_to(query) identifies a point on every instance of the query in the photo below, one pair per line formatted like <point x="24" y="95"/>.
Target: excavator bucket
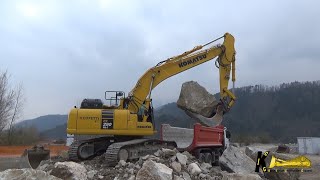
<point x="209" y="122"/>
<point x="31" y="158"/>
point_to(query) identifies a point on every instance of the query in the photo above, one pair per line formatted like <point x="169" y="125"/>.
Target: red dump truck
<point x="205" y="143"/>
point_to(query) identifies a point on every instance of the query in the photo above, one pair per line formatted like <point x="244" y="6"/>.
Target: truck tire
<point x="215" y="157"/>
<point x="208" y="158"/>
<point x="202" y="157"/>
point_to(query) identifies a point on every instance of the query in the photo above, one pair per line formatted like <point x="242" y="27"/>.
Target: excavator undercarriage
<point x="115" y="149"/>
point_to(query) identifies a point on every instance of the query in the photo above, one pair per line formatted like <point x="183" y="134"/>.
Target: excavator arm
<point x="141" y="93"/>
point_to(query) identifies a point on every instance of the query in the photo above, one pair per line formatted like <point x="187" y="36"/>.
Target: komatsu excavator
<point x="119" y="129"/>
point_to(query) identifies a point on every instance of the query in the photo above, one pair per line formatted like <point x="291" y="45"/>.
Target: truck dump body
<point x="192" y="139"/>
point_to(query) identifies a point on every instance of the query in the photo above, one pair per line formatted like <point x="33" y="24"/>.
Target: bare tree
<point x="10" y="102"/>
<point x="6" y="100"/>
<point x="18" y="103"/>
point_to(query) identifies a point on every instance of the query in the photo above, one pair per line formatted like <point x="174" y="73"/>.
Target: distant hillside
<point x="59" y="132"/>
<point x="44" y="123"/>
<point x="281" y="113"/>
<point x="278" y="113"/>
<point x="171" y="114"/>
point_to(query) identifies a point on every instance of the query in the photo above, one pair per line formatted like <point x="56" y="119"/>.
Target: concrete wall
<point x="309" y="145"/>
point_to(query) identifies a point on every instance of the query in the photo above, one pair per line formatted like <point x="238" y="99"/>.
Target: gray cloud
<point x="77" y="49"/>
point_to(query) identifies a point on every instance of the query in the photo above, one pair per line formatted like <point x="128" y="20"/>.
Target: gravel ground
<point x="9" y="163"/>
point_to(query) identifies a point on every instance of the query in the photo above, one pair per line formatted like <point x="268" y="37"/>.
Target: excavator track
<point x="75" y="155"/>
<point x="73" y="151"/>
<point x="130" y="150"/>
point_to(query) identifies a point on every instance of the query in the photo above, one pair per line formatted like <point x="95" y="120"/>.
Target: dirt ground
<point x="10" y="155"/>
<point x="16" y="151"/>
<point x="9" y="163"/>
<point x="315" y="174"/>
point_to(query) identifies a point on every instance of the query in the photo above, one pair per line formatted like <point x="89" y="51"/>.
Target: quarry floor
<point x="10" y="156"/>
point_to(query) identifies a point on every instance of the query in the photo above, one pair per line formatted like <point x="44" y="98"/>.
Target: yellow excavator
<point x="119" y="129"/>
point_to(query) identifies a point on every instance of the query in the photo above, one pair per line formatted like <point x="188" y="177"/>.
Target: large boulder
<point x="168" y="152"/>
<point x="182" y="158"/>
<point x="234" y="160"/>
<point x="252" y="152"/>
<point x="154" y="171"/>
<point x="194" y="169"/>
<point x="27" y="173"/>
<point x="176" y="166"/>
<point x="196" y="99"/>
<point x="69" y="170"/>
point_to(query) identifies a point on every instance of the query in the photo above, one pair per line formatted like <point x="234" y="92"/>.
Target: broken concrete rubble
<point x="169" y="164"/>
<point x="168" y="152"/>
<point x="182" y="158"/>
<point x="194" y="169"/>
<point x="175" y="177"/>
<point x="205" y="167"/>
<point x="153" y="170"/>
<point x="235" y="161"/>
<point x="158" y="153"/>
<point x="252" y="152"/>
<point x="91" y="174"/>
<point x="69" y="170"/>
<point x="176" y="166"/>
<point x="237" y="176"/>
<point x="186" y="176"/>
<point x="122" y="163"/>
<point x="27" y="173"/>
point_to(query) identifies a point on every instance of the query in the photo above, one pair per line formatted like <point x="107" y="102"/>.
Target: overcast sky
<point x="64" y="51"/>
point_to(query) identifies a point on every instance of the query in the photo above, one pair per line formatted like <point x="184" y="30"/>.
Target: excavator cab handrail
<point x="118" y="96"/>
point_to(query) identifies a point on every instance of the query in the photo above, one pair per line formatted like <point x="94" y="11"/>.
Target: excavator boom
<point x="172" y="66"/>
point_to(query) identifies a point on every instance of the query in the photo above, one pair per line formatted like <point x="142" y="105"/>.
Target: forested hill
<point x="278" y="113"/>
<point x="261" y="114"/>
<point x="282" y="112"/>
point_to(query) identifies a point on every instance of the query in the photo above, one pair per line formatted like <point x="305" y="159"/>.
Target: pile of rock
<point x="165" y="164"/>
<point x="162" y="165"/>
<point x="26" y="174"/>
